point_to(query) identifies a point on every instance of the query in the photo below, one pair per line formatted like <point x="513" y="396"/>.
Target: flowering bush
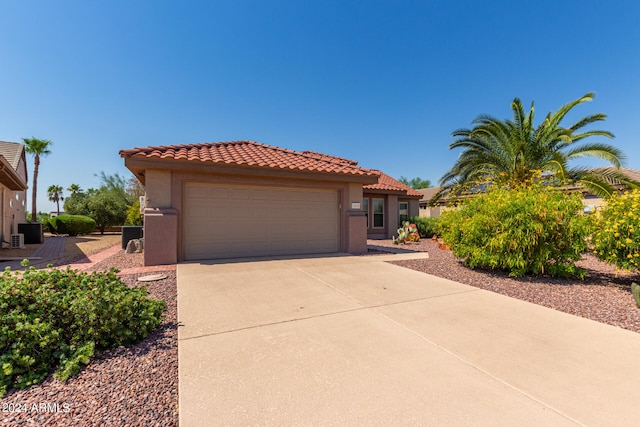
<point x="616" y="238"/>
<point x="528" y="230"/>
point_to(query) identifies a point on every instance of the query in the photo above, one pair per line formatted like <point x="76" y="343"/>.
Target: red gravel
<point x="603" y="296"/>
<point x="133" y="386"/>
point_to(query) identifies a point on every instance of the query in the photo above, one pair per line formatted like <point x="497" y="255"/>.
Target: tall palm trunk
<point x="34" y="211"/>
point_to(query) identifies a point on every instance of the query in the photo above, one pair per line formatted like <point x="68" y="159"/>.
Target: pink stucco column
<point x="356" y="232"/>
<point x="160" y="236"/>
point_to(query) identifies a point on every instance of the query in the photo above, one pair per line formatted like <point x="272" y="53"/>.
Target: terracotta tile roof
<point x="249" y="153"/>
<point x="385" y="182"/>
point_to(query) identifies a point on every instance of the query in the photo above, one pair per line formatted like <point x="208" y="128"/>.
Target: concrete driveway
<point x="357" y="341"/>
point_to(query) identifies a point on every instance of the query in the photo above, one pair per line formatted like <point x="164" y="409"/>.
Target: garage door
<point x="222" y="221"/>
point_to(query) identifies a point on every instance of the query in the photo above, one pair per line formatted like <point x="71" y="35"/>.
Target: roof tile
<point x="250" y="153"/>
<point x="385" y="182"/>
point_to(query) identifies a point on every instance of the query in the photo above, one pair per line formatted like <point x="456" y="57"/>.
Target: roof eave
<point x="138" y="164"/>
<point x="9" y="177"/>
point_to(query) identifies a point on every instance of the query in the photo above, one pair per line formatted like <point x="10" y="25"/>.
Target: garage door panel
<point x="240" y="212"/>
<point x="194" y="192"/>
<point x="235" y="221"/>
<point x="298" y="196"/>
<point x="261" y="194"/>
<point x="241" y="194"/>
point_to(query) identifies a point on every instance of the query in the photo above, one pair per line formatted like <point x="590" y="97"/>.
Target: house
<point x="13" y="188"/>
<point x="243" y="198"/>
<point x="592" y="202"/>
<point x="428" y="209"/>
<point x="386" y="204"/>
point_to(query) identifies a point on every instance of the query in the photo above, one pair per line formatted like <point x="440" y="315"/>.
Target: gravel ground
<point x="138" y="386"/>
<point x="603" y="296"/>
<point x="134" y="386"/>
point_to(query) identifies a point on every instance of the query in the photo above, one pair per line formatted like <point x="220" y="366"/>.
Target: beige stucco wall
<point x="158" y="189"/>
<point x="13" y="211"/>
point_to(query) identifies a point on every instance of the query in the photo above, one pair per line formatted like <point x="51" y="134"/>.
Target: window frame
<point x="406" y="210"/>
<point x="374" y="213"/>
<point x="365" y="208"/>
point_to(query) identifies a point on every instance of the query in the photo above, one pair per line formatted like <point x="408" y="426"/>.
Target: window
<point x="365" y="208"/>
<point x="378" y="213"/>
<point x="403" y="212"/>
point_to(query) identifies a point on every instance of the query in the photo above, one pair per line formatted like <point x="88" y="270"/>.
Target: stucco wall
<point x="165" y="206"/>
<point x="13" y="211"/>
<point x="158" y="189"/>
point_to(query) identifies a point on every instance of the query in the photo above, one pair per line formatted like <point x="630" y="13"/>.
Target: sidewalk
<point x="53" y="249"/>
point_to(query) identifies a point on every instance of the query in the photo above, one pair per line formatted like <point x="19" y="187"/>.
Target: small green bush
<point x="55" y="320"/>
<point x="46" y="225"/>
<point x="72" y="225"/>
<point x="427" y="227"/>
<point x="616" y="238"/>
<point x="530" y="230"/>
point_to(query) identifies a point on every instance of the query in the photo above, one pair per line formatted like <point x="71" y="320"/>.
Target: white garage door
<point x="223" y="221"/>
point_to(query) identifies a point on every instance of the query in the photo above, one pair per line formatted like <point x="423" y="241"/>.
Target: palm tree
<point x="515" y="152"/>
<point x="54" y="192"/>
<point x="74" y="189"/>
<point x="37" y="147"/>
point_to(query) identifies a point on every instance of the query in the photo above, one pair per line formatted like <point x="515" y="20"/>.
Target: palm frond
<point x="607" y="152"/>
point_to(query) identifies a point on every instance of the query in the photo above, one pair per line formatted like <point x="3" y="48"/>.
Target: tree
<point x="54" y="192"/>
<point x="114" y="203"/>
<point x="135" y="188"/>
<point x="415" y="183"/>
<point x="74" y="189"/>
<point x="118" y="185"/>
<point x="37" y="147"/>
<point x="515" y="152"/>
<point x="76" y="203"/>
<point x="106" y="207"/>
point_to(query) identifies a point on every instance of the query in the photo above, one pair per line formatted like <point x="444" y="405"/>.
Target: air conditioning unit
<point x="17" y="241"/>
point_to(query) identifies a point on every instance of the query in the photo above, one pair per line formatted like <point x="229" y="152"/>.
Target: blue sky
<point x="381" y="82"/>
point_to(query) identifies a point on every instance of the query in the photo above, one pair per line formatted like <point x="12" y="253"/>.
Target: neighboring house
<point x="387" y="203"/>
<point x="428" y="208"/>
<point x="239" y="199"/>
<point x="13" y="186"/>
<point x="593" y="202"/>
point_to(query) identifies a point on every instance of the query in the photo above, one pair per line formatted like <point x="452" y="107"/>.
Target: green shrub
<point x="71" y="225"/>
<point x="46" y="225"/>
<point x="55" y="320"/>
<point x="616" y="238"/>
<point x="528" y="230"/>
<point x="427" y="227"/>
